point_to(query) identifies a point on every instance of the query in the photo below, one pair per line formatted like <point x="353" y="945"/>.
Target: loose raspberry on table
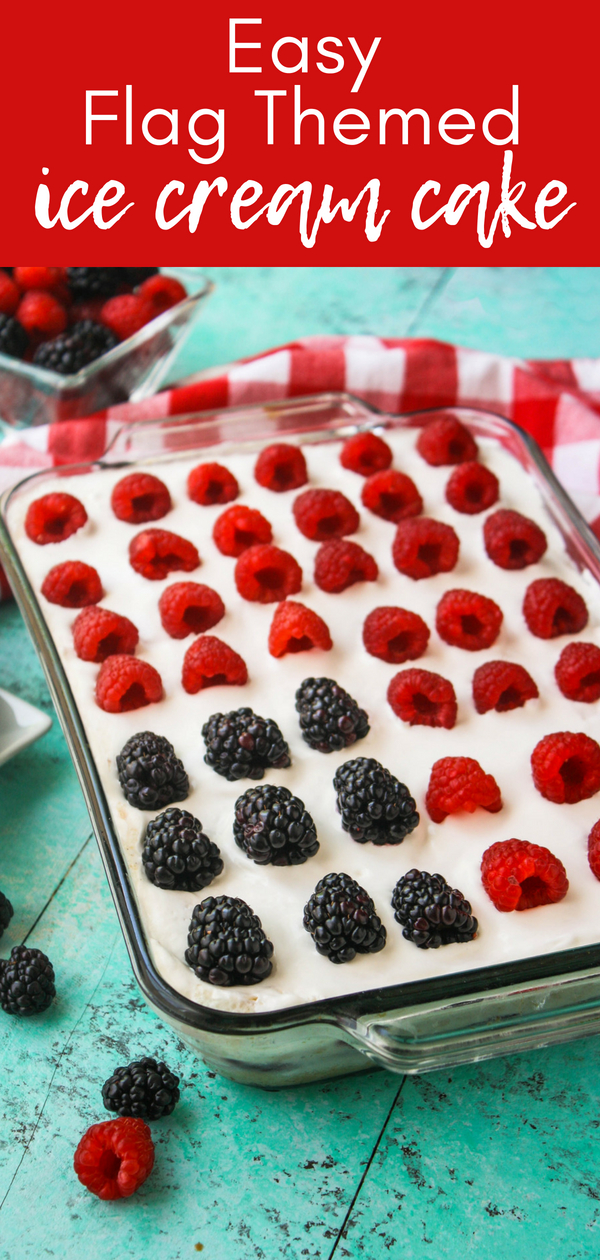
<point x="444" y="440"/>
<point x="594" y="850"/>
<point x="552" y="608"/>
<point x="240" y="527"/>
<point x="340" y="564"/>
<point x="365" y="453"/>
<point x="566" y="767"/>
<point x="519" y="876"/>
<point x="467" y="620"/>
<point x="513" y="541"/>
<point x="162" y="292"/>
<point x="210" y="663"/>
<point x="391" y="495"/>
<point x="39" y="277"/>
<point x="423" y="547"/>
<point x="53" y="518"/>
<point x="125" y="683"/>
<point x="212" y="483"/>
<point x="114" y="1158"/>
<point x="422" y="698"/>
<point x="99" y="633"/>
<point x="324" y="514"/>
<point x="41" y="315"/>
<point x="72" y="584"/>
<point x="265" y="574"/>
<point x="140" y="497"/>
<point x="577" y="672"/>
<point x="472" y="488"/>
<point x="502" y="685"/>
<point x="459" y="783"/>
<point x="156" y="552"/>
<point x="189" y="608"/>
<point x="281" y="467"/>
<point x="296" y="628"/>
<point x="9" y="295"/>
<point x="126" y="313"/>
<point x="395" y="635"/>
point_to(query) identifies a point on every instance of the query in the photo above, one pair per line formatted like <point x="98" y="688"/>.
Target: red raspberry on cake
<point x="72" y="584"/>
<point x="41" y="315"/>
<point x="519" y="876"/>
<point x="594" y="850"/>
<point x="445" y="440"/>
<point x="53" y="518"/>
<point x="340" y="564"/>
<point x="281" y="467"/>
<point x="99" y="633"/>
<point x="189" y="608"/>
<point x="391" y="495"/>
<point x="156" y="552"/>
<point x="422" y="698"/>
<point x="424" y="547"/>
<point x="212" y="483"/>
<point x="125" y="683"/>
<point x="365" y="453"/>
<point x="502" y="685"/>
<point x="210" y="663"/>
<point x="162" y="292"/>
<point x="324" y="514"/>
<point x="140" y="497"/>
<point x="395" y="635"/>
<point x="295" y="628"/>
<point x="460" y="783"/>
<point x="240" y="527"/>
<point x="566" y="767"/>
<point x="265" y="574"/>
<point x="114" y="1158"/>
<point x="126" y="314"/>
<point x="9" y="294"/>
<point x="552" y="608"/>
<point x="467" y="620"/>
<point x="577" y="672"/>
<point x="513" y="541"/>
<point x="472" y="488"/>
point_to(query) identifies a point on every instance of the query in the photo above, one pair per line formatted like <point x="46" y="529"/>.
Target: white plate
<point x="20" y="725"/>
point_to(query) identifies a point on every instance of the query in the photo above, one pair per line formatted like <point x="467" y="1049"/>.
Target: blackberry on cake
<point x="6" y="913"/>
<point x="150" y="773"/>
<point x="144" y="1088"/>
<point x="341" y="918"/>
<point x="374" y="805"/>
<point x="273" y="827"/>
<point x="242" y="745"/>
<point x="227" y="944"/>
<point x="26" y="982"/>
<point x="178" y="855"/>
<point x="431" y="912"/>
<point x="330" y="719"/>
<point x="75" y="348"/>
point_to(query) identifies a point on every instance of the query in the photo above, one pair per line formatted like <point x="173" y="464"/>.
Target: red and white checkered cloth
<point x="558" y="402"/>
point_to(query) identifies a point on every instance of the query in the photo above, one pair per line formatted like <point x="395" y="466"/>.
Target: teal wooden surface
<point x="496" y="1160"/>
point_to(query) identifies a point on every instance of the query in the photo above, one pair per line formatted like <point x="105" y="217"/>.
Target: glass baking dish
<point x="411" y="1027"/>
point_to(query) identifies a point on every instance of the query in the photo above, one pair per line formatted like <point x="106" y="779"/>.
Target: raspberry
<point x="9" y="295"/>
<point x="472" y="488"/>
<point x="155" y="553"/>
<point x="41" y="315"/>
<point x="577" y="672"/>
<point x="140" y="497"/>
<point x="340" y="564"/>
<point x="501" y="685"/>
<point x="265" y="574"/>
<point x="125" y="683"/>
<point x="53" y="518"/>
<point x="391" y="495"/>
<point x="295" y="628"/>
<point x="594" y="850"/>
<point x="189" y="608"/>
<point x="281" y="467"/>
<point x="513" y="541"/>
<point x="240" y="527"/>
<point x="126" y="314"/>
<point x="460" y="783"/>
<point x="395" y="635"/>
<point x="422" y="699"/>
<point x="365" y="453"/>
<point x="552" y="608"/>
<point x="566" y="767"/>
<point x="211" y="663"/>
<point x="323" y="514"/>
<point x="518" y="876"/>
<point x="114" y="1158"/>
<point x="39" y="277"/>
<point x="211" y="483"/>
<point x="162" y="292"/>
<point x="467" y="620"/>
<point x="99" y="633"/>
<point x="424" y="547"/>
<point x="446" y="441"/>
<point x="72" y="585"/>
<point x="89" y="310"/>
<point x="13" y="338"/>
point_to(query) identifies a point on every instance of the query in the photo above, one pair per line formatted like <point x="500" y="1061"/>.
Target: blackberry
<point x="94" y="282"/>
<point x="145" y="1088"/>
<point x="150" y="774"/>
<point x="242" y="745"/>
<point x="137" y="275"/>
<point x="6" y="912"/>
<point x="26" y="982"/>
<point x="272" y="826"/>
<point x="177" y="854"/>
<point x="329" y="718"/>
<point x="431" y="912"/>
<point x="374" y="805"/>
<point x="13" y="338"/>
<point x="85" y="342"/>
<point x="341" y="919"/>
<point x="226" y="943"/>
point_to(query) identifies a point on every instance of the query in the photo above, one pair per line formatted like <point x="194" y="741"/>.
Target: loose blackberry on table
<point x="144" y="1088"/>
<point x="242" y="745"/>
<point x="330" y="719"/>
<point x="6" y="913"/>
<point x="26" y="982"/>
<point x="150" y="773"/>
<point x="227" y="944"/>
<point x="85" y="342"/>
<point x="273" y="827"/>
<point x="178" y="855"/>
<point x="373" y="804"/>
<point x="342" y="920"/>
<point x="431" y="912"/>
